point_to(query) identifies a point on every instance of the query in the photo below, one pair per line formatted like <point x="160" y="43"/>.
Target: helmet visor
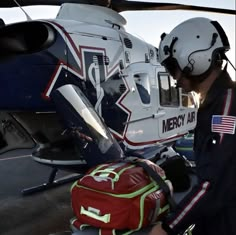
<point x="171" y="66"/>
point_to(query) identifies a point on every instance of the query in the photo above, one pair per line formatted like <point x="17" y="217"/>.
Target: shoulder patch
<point x="223" y="124"/>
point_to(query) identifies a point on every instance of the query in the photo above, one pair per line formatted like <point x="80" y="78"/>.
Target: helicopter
<point x="79" y="89"/>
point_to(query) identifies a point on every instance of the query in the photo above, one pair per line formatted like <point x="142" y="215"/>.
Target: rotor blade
<point x="135" y="5"/>
<point x="12" y="3"/>
<point x="120" y="5"/>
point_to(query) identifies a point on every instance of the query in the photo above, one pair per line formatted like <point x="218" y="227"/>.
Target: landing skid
<point x="52" y="183"/>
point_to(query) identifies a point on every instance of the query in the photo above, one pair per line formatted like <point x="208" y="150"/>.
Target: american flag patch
<point x="223" y="124"/>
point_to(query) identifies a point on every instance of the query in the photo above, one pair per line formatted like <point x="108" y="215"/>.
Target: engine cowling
<point x="25" y="38"/>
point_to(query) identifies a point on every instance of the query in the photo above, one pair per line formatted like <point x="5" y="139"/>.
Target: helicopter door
<point x="140" y="79"/>
<point x="176" y="113"/>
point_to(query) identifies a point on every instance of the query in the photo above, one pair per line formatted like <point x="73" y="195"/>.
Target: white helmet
<point x="193" y="46"/>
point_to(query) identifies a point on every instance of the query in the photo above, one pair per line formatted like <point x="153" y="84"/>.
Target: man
<point x="193" y="54"/>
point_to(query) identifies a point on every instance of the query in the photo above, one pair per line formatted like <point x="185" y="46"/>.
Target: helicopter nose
<point x="25" y="38"/>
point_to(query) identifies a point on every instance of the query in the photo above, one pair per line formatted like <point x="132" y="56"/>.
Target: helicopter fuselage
<point x="118" y="73"/>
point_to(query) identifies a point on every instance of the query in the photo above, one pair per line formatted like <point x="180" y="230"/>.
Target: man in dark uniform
<point x="193" y="53"/>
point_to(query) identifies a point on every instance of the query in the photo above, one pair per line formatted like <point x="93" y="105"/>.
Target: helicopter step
<point x="52" y="183"/>
<point x="57" y="158"/>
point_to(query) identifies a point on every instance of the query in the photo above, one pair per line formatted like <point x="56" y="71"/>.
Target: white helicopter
<point x="78" y="85"/>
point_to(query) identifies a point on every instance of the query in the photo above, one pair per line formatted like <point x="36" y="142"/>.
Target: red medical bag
<point x="118" y="196"/>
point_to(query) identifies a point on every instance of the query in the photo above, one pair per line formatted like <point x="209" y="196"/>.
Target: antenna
<point x="27" y="16"/>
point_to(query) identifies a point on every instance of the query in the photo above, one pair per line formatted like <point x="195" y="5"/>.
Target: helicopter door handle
<point x="158" y="115"/>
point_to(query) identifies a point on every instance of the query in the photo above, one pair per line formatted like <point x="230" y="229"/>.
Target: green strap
<point x="163" y="209"/>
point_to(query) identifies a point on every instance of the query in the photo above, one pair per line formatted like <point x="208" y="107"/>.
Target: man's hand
<point x="157" y="230"/>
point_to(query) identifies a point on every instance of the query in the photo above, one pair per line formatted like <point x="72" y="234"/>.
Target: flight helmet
<point x="193" y="46"/>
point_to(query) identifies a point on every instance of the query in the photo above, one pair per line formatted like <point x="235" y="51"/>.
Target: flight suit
<point x="211" y="204"/>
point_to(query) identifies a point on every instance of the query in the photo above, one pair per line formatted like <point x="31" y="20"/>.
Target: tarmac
<point x="41" y="213"/>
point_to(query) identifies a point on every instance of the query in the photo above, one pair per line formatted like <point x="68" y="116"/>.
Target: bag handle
<point x="104" y="218"/>
<point x="105" y="173"/>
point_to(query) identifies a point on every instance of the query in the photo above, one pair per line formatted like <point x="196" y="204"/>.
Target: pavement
<point x="41" y="213"/>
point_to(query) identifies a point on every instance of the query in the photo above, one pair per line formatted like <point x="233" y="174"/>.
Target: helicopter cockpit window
<point x="143" y="87"/>
<point x="169" y="95"/>
<point x="188" y="100"/>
